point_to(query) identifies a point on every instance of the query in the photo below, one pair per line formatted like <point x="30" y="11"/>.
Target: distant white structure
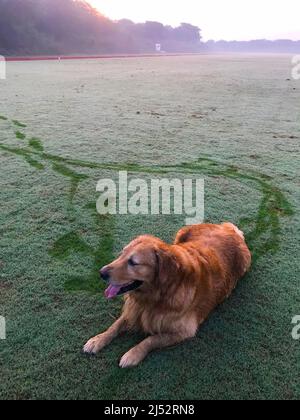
<point x="158" y="47"/>
<point x="2" y="328"/>
<point x="296" y="67"/>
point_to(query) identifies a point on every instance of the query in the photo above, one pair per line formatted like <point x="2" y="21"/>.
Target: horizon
<point x="214" y="25"/>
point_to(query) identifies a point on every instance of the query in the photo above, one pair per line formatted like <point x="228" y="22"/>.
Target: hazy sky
<point x="219" y="19"/>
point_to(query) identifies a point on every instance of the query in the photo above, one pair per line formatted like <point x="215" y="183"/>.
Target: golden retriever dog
<point x="170" y="290"/>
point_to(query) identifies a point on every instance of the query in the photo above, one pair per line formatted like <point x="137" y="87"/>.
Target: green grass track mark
<point x="24" y="154"/>
<point x="74" y="177"/>
<point x="19" y="124"/>
<point x="263" y="233"/>
<point x="36" y="144"/>
<point x="20" y="136"/>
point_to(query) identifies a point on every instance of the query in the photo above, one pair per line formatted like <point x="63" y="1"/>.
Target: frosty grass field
<point x="64" y="125"/>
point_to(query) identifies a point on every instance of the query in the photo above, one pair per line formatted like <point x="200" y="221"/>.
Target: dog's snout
<point x="104" y="274"/>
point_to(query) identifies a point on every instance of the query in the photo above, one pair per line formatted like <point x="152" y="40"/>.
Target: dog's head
<point x="145" y="264"/>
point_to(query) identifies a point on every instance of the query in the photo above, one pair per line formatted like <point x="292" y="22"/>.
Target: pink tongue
<point x="112" y="292"/>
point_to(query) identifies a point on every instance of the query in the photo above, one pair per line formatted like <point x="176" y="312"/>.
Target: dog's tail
<point x="246" y="252"/>
<point x="236" y="229"/>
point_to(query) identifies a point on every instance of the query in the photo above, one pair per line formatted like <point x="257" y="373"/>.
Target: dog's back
<point x="223" y="246"/>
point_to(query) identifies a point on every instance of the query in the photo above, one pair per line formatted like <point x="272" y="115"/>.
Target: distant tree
<point x="188" y="33"/>
<point x="154" y="31"/>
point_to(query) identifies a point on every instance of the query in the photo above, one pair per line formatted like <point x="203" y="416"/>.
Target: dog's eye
<point x="131" y="262"/>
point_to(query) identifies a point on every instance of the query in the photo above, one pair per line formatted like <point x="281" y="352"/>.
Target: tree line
<point x="73" y="26"/>
<point x="254" y="46"/>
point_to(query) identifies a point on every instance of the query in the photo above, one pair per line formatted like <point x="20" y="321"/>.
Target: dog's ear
<point x="167" y="267"/>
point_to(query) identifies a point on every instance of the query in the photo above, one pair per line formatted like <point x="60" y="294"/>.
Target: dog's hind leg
<point x="94" y="345"/>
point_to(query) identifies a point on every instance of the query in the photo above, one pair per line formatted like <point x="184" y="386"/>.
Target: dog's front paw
<point x="132" y="358"/>
<point x="94" y="345"/>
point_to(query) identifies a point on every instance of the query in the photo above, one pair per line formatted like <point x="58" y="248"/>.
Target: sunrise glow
<point x="219" y="19"/>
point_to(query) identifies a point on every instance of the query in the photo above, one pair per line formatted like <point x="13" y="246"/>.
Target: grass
<point x="36" y="144"/>
<point x="53" y="242"/>
<point x="20" y="136"/>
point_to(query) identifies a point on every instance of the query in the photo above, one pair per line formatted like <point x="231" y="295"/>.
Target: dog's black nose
<point x="104" y="274"/>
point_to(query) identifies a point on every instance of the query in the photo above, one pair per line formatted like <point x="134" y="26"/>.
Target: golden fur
<point x="182" y="283"/>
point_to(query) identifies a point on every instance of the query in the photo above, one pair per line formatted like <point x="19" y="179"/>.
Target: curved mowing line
<point x="264" y="231"/>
